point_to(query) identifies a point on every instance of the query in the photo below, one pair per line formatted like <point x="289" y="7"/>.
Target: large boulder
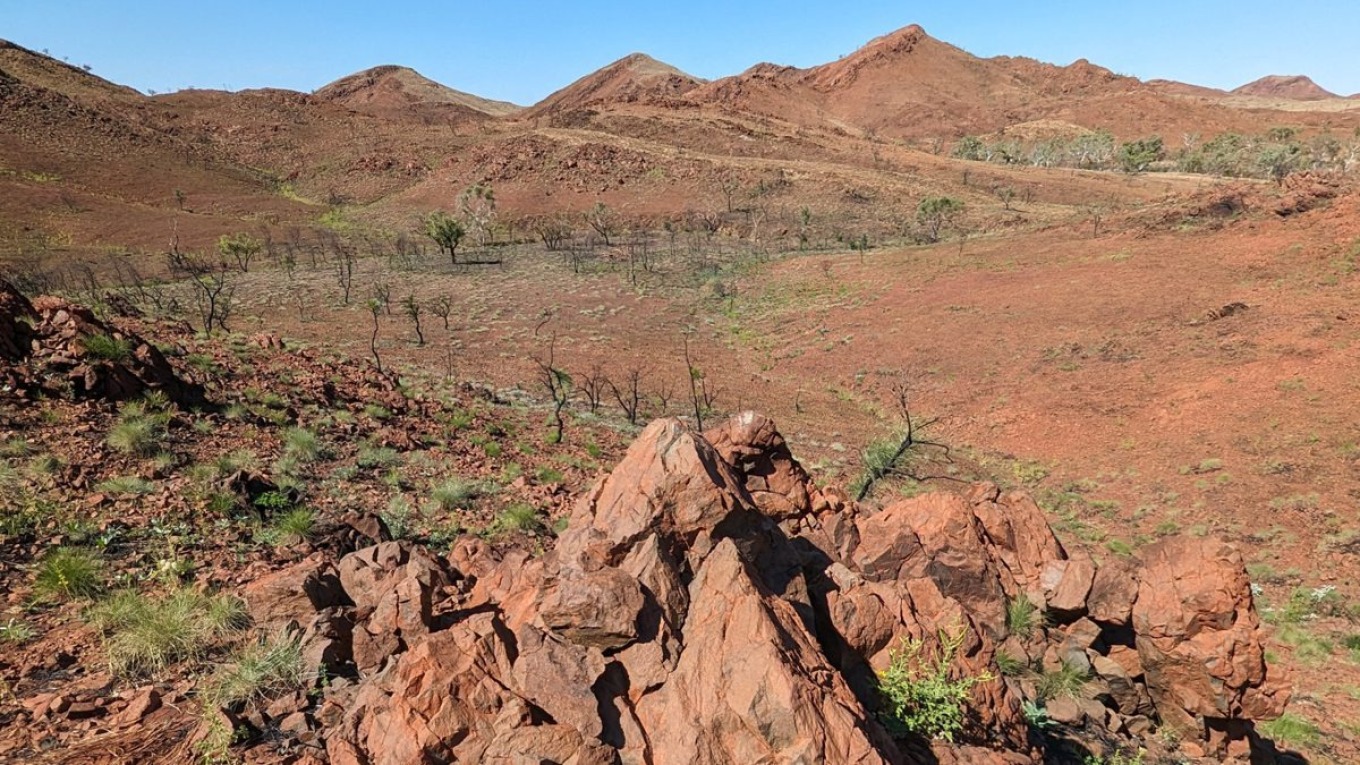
<point x="752" y="685"/>
<point x="1199" y="638"/>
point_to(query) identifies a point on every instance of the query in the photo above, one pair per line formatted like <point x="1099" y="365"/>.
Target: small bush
<point x="107" y="348"/>
<point x="14" y="631"/>
<point x="67" y="573"/>
<point x="518" y="517"/>
<point x="17" y="448"/>
<point x="377" y="412"/>
<point x="295" y="526"/>
<point x="138" y="431"/>
<point x="399" y="517"/>
<point x="145" y="635"/>
<point x="1010" y="666"/>
<point x="1118" y="758"/>
<point x="920" y="697"/>
<point x="376" y="457"/>
<point x="549" y="475"/>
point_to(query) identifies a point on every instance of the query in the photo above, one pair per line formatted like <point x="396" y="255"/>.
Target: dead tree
<point x="411" y="306"/>
<point x="593" y="384"/>
<point x="374" y="307"/>
<point x="382" y="292"/>
<point x="558" y="385"/>
<point x="893" y="457"/>
<point x="212" y="283"/>
<point x="344" y="270"/>
<point x="629" y="396"/>
<point x="701" y="396"/>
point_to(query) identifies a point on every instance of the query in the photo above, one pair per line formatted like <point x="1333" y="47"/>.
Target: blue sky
<point x="520" y="51"/>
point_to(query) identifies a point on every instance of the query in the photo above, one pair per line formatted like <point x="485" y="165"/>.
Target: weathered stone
<point x="1112" y="594"/>
<point x="1199" y="637"/>
<point x="298" y="593"/>
<point x="598" y="608"/>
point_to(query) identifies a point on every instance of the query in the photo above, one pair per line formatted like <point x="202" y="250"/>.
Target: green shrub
<point x="1036" y="716"/>
<point x="549" y="475"/>
<point x="17" y="448"/>
<point x="289" y="527"/>
<point x="67" y="573"/>
<point x="374" y="457"/>
<point x="517" y="517"/>
<point x="399" y="517"/>
<point x="919" y="695"/>
<point x="1010" y="666"/>
<point x="107" y="348"/>
<point x="144" y="635"/>
<point x="139" y="431"/>
<point x="1118" y="758"/>
<point x="14" y="631"/>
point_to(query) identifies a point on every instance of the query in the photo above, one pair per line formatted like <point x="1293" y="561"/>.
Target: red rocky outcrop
<point x="47" y="344"/>
<point x="709" y="604"/>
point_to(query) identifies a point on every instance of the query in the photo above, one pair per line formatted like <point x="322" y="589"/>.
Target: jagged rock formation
<point x="709" y="603"/>
<point x="47" y="344"/>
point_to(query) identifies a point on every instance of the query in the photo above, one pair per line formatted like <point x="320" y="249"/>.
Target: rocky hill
<point x="395" y="92"/>
<point x="1291" y="88"/>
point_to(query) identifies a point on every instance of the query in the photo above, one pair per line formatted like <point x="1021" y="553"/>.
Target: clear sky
<point x="521" y="51"/>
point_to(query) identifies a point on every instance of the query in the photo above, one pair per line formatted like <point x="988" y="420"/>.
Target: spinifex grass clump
<point x="67" y="573"/>
<point x="143" y="634"/>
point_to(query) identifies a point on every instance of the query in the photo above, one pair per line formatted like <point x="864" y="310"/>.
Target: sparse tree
<point x="892" y="456"/>
<point x="375" y="308"/>
<point x="239" y="247"/>
<point x="593" y="384"/>
<point x="558" y="385"/>
<point x="1138" y="156"/>
<point x="554" y="232"/>
<point x="442" y="307"/>
<point x="382" y="292"/>
<point x="701" y="394"/>
<point x="629" y="394"/>
<point x="213" y="287"/>
<point x="344" y="270"/>
<point x="934" y="214"/>
<point x="603" y="220"/>
<point x="447" y="233"/>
